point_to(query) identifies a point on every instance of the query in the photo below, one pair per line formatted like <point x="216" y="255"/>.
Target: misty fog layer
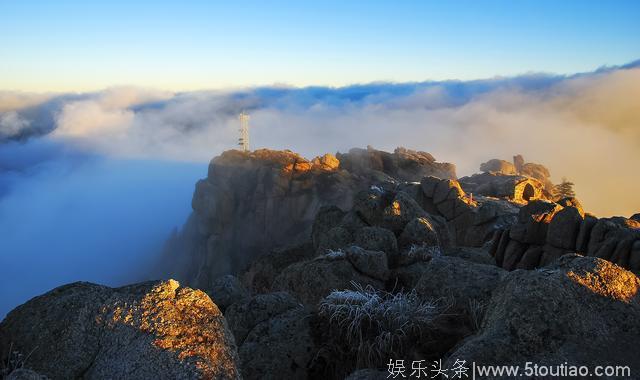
<point x="91" y="184"/>
<point x="78" y="217"/>
<point x="585" y="127"/>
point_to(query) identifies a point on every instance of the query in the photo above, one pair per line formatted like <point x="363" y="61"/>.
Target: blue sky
<point x="186" y="45"/>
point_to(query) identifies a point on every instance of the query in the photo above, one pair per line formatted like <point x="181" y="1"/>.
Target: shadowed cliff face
<point x="252" y="202"/>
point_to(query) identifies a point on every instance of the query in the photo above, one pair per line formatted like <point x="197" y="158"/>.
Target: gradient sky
<point x="186" y="45"/>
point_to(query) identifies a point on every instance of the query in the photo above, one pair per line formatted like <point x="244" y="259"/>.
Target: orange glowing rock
<point x="328" y="162"/>
<point x="609" y="280"/>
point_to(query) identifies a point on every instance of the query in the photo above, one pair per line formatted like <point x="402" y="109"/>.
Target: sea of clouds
<point x="92" y="183"/>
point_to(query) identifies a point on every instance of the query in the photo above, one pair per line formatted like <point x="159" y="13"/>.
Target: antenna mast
<point x="243" y="141"/>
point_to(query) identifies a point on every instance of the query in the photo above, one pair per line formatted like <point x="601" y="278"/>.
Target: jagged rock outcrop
<point x="253" y="202"/>
<point x="470" y="221"/>
<point x="402" y="165"/>
<point x="436" y="212"/>
<point x="578" y="310"/>
<point x="503" y="178"/>
<point x="547" y="230"/>
<point x="517" y="188"/>
<point x="226" y="290"/>
<point x="148" y="330"/>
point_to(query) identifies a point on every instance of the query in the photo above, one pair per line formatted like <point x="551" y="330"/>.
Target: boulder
<point x="428" y="185"/>
<point x="516" y="188"/>
<point x="334" y="239"/>
<point x="148" y="330"/>
<point x="328" y="162"/>
<point x="263" y="271"/>
<point x="370" y="263"/>
<point x="327" y="218"/>
<point x="454" y="208"/>
<point x="352" y="222"/>
<point x="227" y="290"/>
<point x="445" y="277"/>
<point x="243" y="316"/>
<point x="582" y="241"/>
<point x="403" y="164"/>
<point x="498" y="166"/>
<point x="551" y="253"/>
<point x="634" y="256"/>
<point x="279" y="348"/>
<point x="486" y="215"/>
<point x="369" y="205"/>
<point x="513" y="254"/>
<point x="531" y="258"/>
<point x="534" y="219"/>
<point x="401" y="211"/>
<point x="376" y="239"/>
<point x="537" y="171"/>
<point x="447" y="189"/>
<point x="605" y="251"/>
<point x="622" y="251"/>
<point x="572" y="202"/>
<point x="312" y="280"/>
<point x="419" y="231"/>
<point x="579" y="310"/>
<point x="564" y="228"/>
<point x="607" y="229"/>
<point x="473" y="254"/>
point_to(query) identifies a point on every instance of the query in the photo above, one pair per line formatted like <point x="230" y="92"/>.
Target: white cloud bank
<point x="585" y="127"/>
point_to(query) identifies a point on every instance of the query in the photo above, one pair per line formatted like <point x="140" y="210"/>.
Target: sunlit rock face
<point x="517" y="188"/>
<point x="146" y="331"/>
<point x="519" y="181"/>
<point x="577" y="310"/>
<point x="252" y="202"/>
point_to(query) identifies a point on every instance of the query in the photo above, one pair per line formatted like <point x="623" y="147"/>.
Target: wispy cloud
<point x="585" y="127"/>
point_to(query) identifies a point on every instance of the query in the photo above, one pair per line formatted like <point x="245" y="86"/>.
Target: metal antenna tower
<point x="243" y="141"/>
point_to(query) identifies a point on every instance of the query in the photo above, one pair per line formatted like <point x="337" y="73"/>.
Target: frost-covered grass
<point x="378" y="324"/>
<point x="334" y="254"/>
<point x="423" y="250"/>
<point x="419" y="252"/>
<point x="475" y="311"/>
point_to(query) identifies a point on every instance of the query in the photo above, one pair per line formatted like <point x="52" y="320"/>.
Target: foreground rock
<point x="580" y="310"/>
<point x="310" y="281"/>
<point x="143" y="331"/>
<point x="451" y="277"/>
<point x="274" y="337"/>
